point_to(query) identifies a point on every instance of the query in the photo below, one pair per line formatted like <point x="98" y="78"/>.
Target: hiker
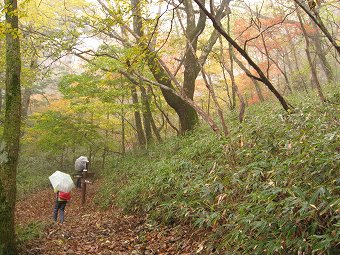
<point x="80" y="165"/>
<point x="61" y="200"/>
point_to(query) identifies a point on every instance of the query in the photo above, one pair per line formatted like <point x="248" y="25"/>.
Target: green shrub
<point x="30" y="231"/>
<point x="33" y="173"/>
<point x="272" y="187"/>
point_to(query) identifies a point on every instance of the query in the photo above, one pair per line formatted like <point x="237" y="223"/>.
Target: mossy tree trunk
<point x="9" y="149"/>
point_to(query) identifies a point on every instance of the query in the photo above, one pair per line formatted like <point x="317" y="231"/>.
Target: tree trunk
<point x="314" y="76"/>
<point x="91" y="153"/>
<point x="284" y="72"/>
<point x="147" y="137"/>
<point x="298" y="66"/>
<point x="26" y="98"/>
<point x="91" y="158"/>
<point x="105" y="149"/>
<point x="155" y="130"/>
<point x="232" y="76"/>
<point x="309" y="58"/>
<point x="147" y="116"/>
<point x="185" y="112"/>
<point x="227" y="86"/>
<point x="154" y="66"/>
<point x="218" y="108"/>
<point x="61" y="162"/>
<point x="9" y="151"/>
<point x="183" y="104"/>
<point x="123" y="133"/>
<point x="234" y="85"/>
<point x="164" y="115"/>
<point x="193" y="64"/>
<point x="138" y="119"/>
<point x="1" y="100"/>
<point x="322" y="55"/>
<point x="286" y="60"/>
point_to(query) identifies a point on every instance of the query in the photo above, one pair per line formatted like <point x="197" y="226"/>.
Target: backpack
<point x="64" y="195"/>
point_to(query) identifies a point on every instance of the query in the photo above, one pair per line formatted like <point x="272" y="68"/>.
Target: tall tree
<point x="138" y="29"/>
<point x="309" y="58"/>
<point x="312" y="12"/>
<point x="262" y="77"/>
<point x="138" y="118"/>
<point x="186" y="113"/>
<point x="9" y="149"/>
<point x="192" y="63"/>
<point x="316" y="37"/>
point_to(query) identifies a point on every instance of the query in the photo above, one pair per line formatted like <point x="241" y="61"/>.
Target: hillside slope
<point x="272" y="187"/>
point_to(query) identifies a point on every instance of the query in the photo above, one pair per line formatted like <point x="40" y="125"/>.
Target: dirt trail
<point x="90" y="230"/>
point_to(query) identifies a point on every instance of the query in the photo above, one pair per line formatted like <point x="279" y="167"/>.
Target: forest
<point x="210" y="127"/>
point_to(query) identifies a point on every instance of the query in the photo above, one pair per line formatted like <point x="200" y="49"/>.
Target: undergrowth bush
<point x="33" y="173"/>
<point x="272" y="187"/>
<point x="30" y="231"/>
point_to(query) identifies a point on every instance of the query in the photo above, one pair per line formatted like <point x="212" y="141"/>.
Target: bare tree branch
<point x="264" y="79"/>
<point x="318" y="21"/>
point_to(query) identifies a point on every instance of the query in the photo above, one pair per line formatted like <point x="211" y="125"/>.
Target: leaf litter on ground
<point x="91" y="230"/>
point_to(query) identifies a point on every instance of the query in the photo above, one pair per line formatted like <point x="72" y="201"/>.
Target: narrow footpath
<point x="91" y="230"/>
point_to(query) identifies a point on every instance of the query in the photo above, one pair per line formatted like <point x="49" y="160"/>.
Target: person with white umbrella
<point x="80" y="165"/>
<point x="62" y="184"/>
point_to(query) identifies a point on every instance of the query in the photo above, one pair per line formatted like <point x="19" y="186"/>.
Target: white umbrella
<point x="80" y="163"/>
<point x="61" y="181"/>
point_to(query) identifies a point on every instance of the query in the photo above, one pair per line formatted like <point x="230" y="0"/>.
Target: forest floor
<point x="91" y="230"/>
